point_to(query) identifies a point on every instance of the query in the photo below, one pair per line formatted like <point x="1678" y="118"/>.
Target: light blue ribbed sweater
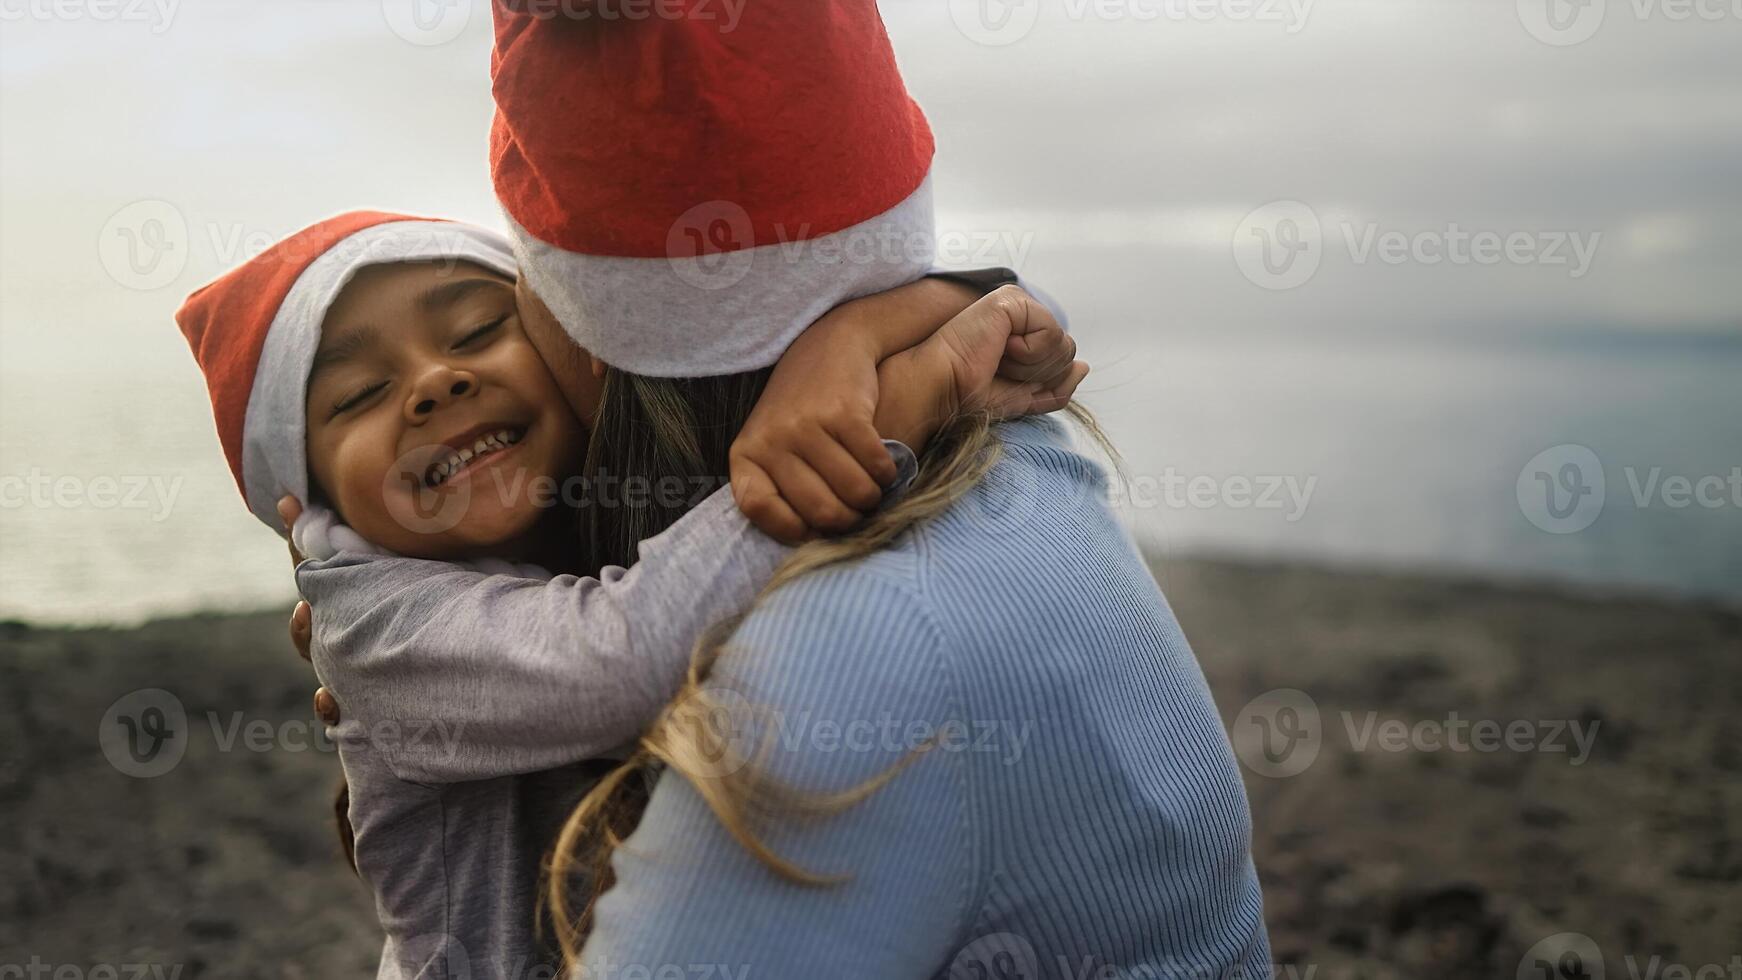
<point x="1080" y="813"/>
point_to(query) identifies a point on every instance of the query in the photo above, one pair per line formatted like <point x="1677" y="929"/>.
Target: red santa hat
<point x="687" y="192"/>
<point x="255" y="330"/>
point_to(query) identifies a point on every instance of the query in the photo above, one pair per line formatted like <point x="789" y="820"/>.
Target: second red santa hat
<point x="687" y="192"/>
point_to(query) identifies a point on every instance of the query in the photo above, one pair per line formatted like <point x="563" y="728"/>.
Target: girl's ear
<point x="599" y="367"/>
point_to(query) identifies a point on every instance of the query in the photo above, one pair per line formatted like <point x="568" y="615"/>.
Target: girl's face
<point x="433" y="427"/>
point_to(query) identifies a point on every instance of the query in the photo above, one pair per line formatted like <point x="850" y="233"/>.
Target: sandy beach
<point x="1394" y="840"/>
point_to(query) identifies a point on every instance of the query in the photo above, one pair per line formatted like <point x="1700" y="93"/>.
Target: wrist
<point x="843" y="333"/>
<point x="917" y="396"/>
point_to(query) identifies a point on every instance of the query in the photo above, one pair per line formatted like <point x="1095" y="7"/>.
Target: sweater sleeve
<point x="838" y="692"/>
<point x="507" y="675"/>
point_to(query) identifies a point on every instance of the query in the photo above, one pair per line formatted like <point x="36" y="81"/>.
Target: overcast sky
<point x="1114" y="142"/>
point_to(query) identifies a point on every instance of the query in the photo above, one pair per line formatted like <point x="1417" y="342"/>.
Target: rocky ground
<point x="1394" y="837"/>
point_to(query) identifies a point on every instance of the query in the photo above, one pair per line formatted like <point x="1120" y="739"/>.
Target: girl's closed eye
<point x="356" y="398"/>
<point x="481" y="333"/>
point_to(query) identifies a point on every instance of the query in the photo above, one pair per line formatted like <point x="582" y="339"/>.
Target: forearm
<point x="901" y="318"/>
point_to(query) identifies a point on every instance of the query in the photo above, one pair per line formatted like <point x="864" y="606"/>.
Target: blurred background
<point x="1418" y="322"/>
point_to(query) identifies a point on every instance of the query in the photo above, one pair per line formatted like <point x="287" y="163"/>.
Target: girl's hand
<point x="810" y="457"/>
<point x="897" y="365"/>
<point x="1006" y="355"/>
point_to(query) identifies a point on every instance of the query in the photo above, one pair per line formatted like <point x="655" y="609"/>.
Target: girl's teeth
<point x="500" y="439"/>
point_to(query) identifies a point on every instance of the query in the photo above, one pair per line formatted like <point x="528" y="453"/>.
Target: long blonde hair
<point x="684" y="738"/>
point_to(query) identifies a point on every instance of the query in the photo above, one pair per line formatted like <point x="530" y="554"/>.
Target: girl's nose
<point x="438" y="386"/>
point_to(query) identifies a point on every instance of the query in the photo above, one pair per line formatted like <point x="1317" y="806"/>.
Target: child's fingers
<point x="755" y="493"/>
<point x="1014" y="399"/>
<point x="810" y="495"/>
<point x="866" y="445"/>
<point x="289" y="509"/>
<point x="844" y="474"/>
<point x="326" y="707"/>
<point x="1060" y="394"/>
<point x="1037" y="356"/>
<point x="301" y="628"/>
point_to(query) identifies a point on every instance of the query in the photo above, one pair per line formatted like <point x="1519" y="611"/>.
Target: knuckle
<point x="1010" y="298"/>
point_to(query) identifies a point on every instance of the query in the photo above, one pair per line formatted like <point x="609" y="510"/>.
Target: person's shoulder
<point x="1043" y="495"/>
<point x="836" y="610"/>
<point x="1048" y="443"/>
<point x="859" y="623"/>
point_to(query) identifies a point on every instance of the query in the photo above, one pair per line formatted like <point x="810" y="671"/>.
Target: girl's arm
<point x="457" y="675"/>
